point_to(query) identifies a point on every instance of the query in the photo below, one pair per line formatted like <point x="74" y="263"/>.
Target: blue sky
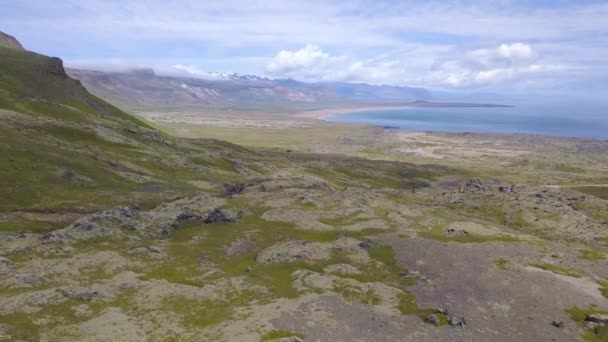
<point x="504" y="46"/>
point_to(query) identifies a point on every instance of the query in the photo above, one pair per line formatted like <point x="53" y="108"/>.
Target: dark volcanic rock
<point x="457" y="322"/>
<point x="55" y="67"/>
<point x="219" y="215"/>
<point x="365" y="244"/>
<point x="234" y="189"/>
<point x="597" y="318"/>
<point x="432" y="319"/>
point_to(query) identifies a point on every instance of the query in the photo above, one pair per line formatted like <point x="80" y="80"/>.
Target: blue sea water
<point x="557" y="120"/>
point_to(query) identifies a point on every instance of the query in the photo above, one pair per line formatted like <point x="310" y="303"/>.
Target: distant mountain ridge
<point x="142" y="88"/>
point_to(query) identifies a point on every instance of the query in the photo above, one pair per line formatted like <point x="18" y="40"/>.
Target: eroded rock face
<point x="55" y="67"/>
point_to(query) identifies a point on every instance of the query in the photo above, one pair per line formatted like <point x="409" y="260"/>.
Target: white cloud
<point x="192" y="70"/>
<point x="451" y="68"/>
<point x="505" y="54"/>
<point x="310" y="56"/>
<point x="507" y="62"/>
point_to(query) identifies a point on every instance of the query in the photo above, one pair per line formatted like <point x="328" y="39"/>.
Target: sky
<point x="543" y="46"/>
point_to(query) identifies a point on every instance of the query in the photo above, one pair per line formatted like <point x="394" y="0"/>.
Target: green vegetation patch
<point x="355" y="293"/>
<point x="276" y="334"/>
<point x="604" y="287"/>
<point x="560" y="270"/>
<point x="193" y="245"/>
<point x="26" y="225"/>
<point x="592" y="254"/>
<point x="408" y="306"/>
<point x="597" y="191"/>
<point x="502" y="263"/>
<point x="344" y="220"/>
<point x="202" y="313"/>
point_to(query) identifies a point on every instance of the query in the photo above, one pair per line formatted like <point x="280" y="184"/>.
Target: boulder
<point x="234" y="189"/>
<point x="597" y="318"/>
<point x="432" y="319"/>
<point x="86" y="296"/>
<point x="6" y="265"/>
<point x="219" y="215"/>
<point x="457" y="322"/>
<point x="365" y="244"/>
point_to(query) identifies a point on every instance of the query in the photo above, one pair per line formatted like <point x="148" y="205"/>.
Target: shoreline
<point x="322" y="114"/>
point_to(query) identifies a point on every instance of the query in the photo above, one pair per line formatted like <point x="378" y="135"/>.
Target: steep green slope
<point x="65" y="150"/>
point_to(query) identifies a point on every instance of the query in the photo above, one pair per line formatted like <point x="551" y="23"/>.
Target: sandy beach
<point x="322" y="114"/>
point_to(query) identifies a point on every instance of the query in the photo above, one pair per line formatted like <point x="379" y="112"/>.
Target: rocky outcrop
<point x="155" y="223"/>
<point x="55" y="67"/>
<point x="9" y="41"/>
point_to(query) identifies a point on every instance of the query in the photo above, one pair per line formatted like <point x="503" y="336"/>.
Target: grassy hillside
<point x="65" y="150"/>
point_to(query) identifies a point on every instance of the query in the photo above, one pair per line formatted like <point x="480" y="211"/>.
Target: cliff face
<point x="10" y="41"/>
<point x="55" y="67"/>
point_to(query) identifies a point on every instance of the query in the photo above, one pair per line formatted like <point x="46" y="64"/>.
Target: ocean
<point x="556" y="120"/>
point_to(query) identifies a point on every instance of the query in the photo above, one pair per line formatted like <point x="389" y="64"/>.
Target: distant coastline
<point x="322" y="114"/>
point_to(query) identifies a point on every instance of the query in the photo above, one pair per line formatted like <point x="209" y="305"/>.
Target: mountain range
<point x="144" y="89"/>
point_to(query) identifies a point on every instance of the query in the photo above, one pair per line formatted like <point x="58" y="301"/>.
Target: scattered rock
<point x="558" y="324"/>
<point x="219" y="215"/>
<point x="365" y="244"/>
<point x="6" y="265"/>
<point x="597" y="318"/>
<point x="83" y="310"/>
<point x="288" y="339"/>
<point x="32" y="279"/>
<point x="149" y="251"/>
<point x="234" y="189"/>
<point x="457" y="322"/>
<point x="186" y="216"/>
<point x="239" y="247"/>
<point x="432" y="319"/>
<point x="201" y="258"/>
<point x="154" y="249"/>
<point x="592" y="325"/>
<point x="241" y="168"/>
<point x="72" y="177"/>
<point x="343" y="269"/>
<point x="86" y="296"/>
